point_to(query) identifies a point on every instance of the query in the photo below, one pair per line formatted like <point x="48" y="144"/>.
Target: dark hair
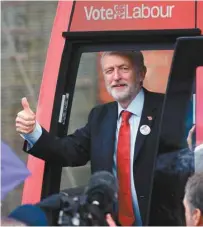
<point x="136" y="57"/>
<point x="171" y="174"/>
<point x="194" y="191"/>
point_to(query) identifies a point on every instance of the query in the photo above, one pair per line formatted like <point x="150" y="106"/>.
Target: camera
<point x="90" y="207"/>
<point x="77" y="211"/>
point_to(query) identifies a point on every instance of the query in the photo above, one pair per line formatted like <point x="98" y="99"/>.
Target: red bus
<point x="83" y="29"/>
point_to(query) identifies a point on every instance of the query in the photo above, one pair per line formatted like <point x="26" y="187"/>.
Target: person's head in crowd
<point x="172" y="172"/>
<point x="198" y="158"/>
<point x="124" y="72"/>
<point x="193" y="200"/>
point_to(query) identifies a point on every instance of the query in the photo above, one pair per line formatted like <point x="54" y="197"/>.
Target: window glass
<point x="90" y="90"/>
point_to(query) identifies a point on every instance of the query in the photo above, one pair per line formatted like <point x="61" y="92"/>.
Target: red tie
<point x="125" y="212"/>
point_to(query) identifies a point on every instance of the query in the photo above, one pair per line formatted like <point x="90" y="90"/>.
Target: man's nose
<point x="116" y="74"/>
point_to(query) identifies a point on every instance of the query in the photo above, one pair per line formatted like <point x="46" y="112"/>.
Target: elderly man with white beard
<point x="119" y="137"/>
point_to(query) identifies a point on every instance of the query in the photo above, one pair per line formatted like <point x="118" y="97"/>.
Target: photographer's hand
<point x="110" y="220"/>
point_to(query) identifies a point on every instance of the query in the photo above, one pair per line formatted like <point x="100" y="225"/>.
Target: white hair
<point x="198" y="153"/>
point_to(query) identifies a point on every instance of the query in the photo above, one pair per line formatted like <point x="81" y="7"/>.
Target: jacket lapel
<point x="108" y="134"/>
<point x="146" y="123"/>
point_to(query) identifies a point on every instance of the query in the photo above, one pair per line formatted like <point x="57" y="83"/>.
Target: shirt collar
<point x="135" y="106"/>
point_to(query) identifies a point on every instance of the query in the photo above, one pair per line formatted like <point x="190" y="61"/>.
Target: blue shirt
<point x="135" y="107"/>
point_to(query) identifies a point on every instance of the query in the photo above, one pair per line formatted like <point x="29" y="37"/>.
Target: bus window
<point x="85" y="97"/>
<point x="194" y="122"/>
<point x="190" y="120"/>
<point x="90" y="90"/>
<point x="180" y="112"/>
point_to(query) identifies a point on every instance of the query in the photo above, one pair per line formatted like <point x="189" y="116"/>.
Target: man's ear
<point x="143" y="74"/>
<point x="197" y="217"/>
<point x="145" y="70"/>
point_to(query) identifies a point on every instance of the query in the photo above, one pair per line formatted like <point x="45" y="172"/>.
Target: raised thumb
<point x="25" y="105"/>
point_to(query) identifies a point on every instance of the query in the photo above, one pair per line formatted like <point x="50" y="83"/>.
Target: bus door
<point x="171" y="170"/>
<point x="73" y="83"/>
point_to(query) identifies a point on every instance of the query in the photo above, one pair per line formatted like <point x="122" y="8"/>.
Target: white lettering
<point x="164" y="12"/>
<point x="155" y="12"/>
<point x="102" y="13"/>
<point x="124" y="12"/>
<point x="96" y="14"/>
<point x="145" y="11"/>
<point x="88" y="15"/>
<point x="137" y="12"/>
<point x="127" y="13"/>
<point x="109" y="14"/>
<point x="170" y="10"/>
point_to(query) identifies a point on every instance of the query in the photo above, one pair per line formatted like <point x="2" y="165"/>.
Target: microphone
<point x="87" y="205"/>
<point x="53" y="202"/>
<point x="29" y="215"/>
<point x="102" y="191"/>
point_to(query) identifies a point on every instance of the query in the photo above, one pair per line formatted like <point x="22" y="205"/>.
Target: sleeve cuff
<point x="33" y="137"/>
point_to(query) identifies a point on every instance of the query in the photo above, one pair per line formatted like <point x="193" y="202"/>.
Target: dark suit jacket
<point x="95" y="142"/>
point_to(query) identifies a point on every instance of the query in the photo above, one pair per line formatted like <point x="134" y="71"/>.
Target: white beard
<point x="123" y="95"/>
<point x="120" y="95"/>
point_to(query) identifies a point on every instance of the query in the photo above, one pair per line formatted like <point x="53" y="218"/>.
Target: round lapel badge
<point x="145" y="130"/>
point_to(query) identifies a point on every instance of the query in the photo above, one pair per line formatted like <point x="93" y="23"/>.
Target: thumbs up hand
<point x="26" y="118"/>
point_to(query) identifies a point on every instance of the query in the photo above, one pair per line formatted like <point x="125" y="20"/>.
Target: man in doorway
<point x="119" y="137"/>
